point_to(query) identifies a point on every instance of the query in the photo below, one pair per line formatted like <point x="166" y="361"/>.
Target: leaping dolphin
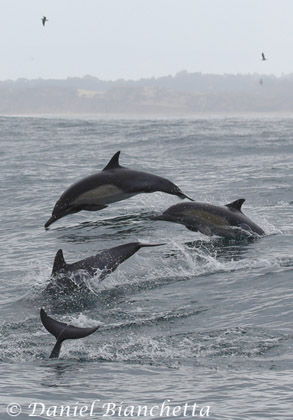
<point x="67" y="278"/>
<point x="227" y="221"/>
<point x="63" y="332"/>
<point x="113" y="183"/>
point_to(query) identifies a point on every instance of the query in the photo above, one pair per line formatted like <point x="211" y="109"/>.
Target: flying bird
<point x="44" y="20"/>
<point x="263" y="57"/>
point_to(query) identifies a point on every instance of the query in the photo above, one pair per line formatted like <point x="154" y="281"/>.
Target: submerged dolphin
<point x="63" y="332"/>
<point x="113" y="183"/>
<point x="227" y="221"/>
<point x="66" y="278"/>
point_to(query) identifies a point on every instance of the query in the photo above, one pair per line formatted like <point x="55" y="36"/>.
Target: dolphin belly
<point x="102" y="195"/>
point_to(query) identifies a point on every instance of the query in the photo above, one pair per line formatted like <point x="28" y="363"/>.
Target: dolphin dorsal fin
<point x="236" y="205"/>
<point x="59" y="262"/>
<point x="113" y="163"/>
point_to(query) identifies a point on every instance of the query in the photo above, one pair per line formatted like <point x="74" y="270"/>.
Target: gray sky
<point x="131" y="39"/>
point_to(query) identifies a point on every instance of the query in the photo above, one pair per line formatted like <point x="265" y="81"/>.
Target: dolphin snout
<point x="160" y="217"/>
<point x="166" y="217"/>
<point x="50" y="221"/>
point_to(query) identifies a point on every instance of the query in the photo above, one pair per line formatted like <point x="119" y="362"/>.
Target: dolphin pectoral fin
<point x="204" y="229"/>
<point x="236" y="205"/>
<point x="94" y="207"/>
<point x="246" y="230"/>
<point x="63" y="331"/>
<point x="192" y="228"/>
<point x="245" y="227"/>
<point x="199" y="228"/>
<point x="113" y="163"/>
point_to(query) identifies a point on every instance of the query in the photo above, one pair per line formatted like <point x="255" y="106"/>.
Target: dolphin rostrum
<point x="67" y="278"/>
<point x="227" y="221"/>
<point x="63" y="332"/>
<point x="113" y="183"/>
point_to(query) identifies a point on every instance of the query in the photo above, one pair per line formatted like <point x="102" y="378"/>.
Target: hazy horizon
<point x="152" y="77"/>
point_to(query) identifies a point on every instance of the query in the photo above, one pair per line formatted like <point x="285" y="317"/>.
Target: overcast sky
<point x="131" y="39"/>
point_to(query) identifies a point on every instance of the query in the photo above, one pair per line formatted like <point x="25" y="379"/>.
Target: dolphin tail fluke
<point x="182" y="195"/>
<point x="146" y="245"/>
<point x="56" y="350"/>
<point x="63" y="331"/>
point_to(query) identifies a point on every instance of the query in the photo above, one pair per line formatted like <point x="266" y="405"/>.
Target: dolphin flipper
<point x="63" y="331"/>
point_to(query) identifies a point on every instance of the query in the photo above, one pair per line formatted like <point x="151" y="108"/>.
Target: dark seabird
<point x="263" y="57"/>
<point x="44" y="20"/>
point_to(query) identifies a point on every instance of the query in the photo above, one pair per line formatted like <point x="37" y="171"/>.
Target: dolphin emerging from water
<point x="63" y="332"/>
<point x="113" y="183"/>
<point x="67" y="278"/>
<point x="227" y="221"/>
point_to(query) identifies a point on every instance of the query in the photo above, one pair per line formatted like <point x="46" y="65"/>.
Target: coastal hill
<point x="181" y="95"/>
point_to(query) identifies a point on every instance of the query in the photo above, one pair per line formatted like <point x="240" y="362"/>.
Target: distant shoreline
<point x="182" y="95"/>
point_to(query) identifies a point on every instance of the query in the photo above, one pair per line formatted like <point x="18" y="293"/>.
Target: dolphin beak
<point x="165" y="217"/>
<point x="50" y="221"/>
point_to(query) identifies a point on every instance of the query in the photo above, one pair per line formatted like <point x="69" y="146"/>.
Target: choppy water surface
<point x="197" y="320"/>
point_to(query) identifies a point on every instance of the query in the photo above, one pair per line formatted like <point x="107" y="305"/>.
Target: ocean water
<point x="196" y="321"/>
